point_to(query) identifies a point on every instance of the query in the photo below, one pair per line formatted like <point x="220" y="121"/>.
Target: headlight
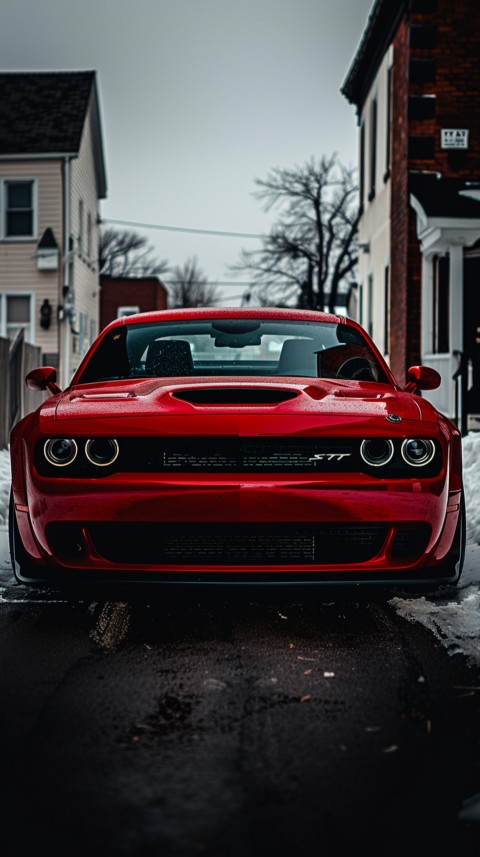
<point x="102" y="451"/>
<point x="377" y="451"/>
<point x="60" y="451"/>
<point x="418" y="451"/>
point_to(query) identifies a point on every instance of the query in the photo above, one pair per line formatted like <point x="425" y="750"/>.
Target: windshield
<point x="232" y="346"/>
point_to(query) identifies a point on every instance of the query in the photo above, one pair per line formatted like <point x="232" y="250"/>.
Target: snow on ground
<point x="453" y="616"/>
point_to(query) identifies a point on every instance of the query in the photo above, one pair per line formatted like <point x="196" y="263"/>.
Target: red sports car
<point x="236" y="445"/>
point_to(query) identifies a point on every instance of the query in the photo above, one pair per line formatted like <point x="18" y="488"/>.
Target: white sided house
<point x="52" y="177"/>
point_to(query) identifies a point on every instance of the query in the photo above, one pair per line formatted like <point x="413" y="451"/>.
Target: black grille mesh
<point x="242" y="544"/>
<point x="241" y="454"/>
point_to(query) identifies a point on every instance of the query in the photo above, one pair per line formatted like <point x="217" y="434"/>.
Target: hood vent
<point x="235" y="396"/>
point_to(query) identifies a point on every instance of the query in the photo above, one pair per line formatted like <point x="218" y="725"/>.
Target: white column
<point x="456" y="297"/>
<point x="456" y="314"/>
<point x="427" y="308"/>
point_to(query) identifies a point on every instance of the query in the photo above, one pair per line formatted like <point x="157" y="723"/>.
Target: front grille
<point x="236" y="455"/>
<point x="237" y="544"/>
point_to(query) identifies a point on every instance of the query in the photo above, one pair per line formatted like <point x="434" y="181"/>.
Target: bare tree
<point x="128" y="254"/>
<point x="311" y="253"/>
<point x="189" y="287"/>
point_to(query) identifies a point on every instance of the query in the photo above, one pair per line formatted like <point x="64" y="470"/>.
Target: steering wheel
<point x="357" y="369"/>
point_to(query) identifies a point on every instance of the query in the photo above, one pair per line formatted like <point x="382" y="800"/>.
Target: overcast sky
<point x="198" y="98"/>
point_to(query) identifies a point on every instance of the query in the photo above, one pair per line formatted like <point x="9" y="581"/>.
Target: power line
<point x="213" y="282"/>
<point x="182" y="228"/>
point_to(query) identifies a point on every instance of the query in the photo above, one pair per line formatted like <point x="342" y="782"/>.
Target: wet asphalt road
<point x="231" y="724"/>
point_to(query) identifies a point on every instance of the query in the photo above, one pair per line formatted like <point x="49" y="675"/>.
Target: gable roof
<point x="44" y="112"/>
<point x="380" y="28"/>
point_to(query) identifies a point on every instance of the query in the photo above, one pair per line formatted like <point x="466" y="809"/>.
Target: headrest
<point x="298" y="357"/>
<point x="169" y="357"/>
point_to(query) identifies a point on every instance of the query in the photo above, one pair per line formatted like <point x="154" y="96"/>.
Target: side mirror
<point x="422" y="378"/>
<point x="43" y="378"/>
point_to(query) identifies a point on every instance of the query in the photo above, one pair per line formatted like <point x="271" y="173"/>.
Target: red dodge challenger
<point x="236" y="446"/>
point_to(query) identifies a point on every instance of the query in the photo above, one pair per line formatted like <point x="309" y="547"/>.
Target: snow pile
<point x="471" y="457"/>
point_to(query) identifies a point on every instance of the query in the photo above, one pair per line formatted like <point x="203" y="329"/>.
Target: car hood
<point x="204" y="396"/>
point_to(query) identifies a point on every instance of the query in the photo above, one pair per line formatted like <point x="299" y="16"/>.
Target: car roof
<point x="229" y="312"/>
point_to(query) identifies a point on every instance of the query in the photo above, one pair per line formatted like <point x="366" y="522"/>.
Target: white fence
<point x="17" y="358"/>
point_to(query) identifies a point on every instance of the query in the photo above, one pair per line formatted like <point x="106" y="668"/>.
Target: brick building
<point x="415" y="83"/>
<point x="127" y="295"/>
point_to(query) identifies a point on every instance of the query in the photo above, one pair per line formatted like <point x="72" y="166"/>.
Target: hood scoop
<point x="235" y="396"/>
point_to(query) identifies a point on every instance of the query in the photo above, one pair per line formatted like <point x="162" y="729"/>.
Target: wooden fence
<point x="17" y="358"/>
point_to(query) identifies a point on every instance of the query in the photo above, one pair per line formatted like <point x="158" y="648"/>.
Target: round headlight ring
<point x="425" y="451"/>
<point x="60" y="451"/>
<point x="102" y="451"/>
<point x="377" y="451"/>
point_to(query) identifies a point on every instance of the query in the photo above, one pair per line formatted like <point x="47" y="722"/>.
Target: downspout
<point x="66" y="273"/>
<point x="455" y="333"/>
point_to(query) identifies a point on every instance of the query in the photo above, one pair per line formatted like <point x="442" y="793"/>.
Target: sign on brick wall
<point x="454" y="138"/>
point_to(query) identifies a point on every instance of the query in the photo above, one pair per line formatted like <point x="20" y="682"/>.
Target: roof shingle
<point x="43" y="112"/>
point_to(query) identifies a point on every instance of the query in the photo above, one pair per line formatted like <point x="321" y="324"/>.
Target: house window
<point x="422" y="70"/>
<point x="80" y="226"/>
<point x="89" y="236"/>
<point x="362" y="165"/>
<point x="389" y="124"/>
<point x="18" y="203"/>
<point x="369" y="313"/>
<point x="82" y="325"/>
<point x="386" y="309"/>
<point x="440" y="305"/>
<point x="16" y="313"/>
<point x="423" y="36"/>
<point x="421" y="148"/>
<point x="373" y="148"/>
<point x="127" y="310"/>
<point x="425" y="6"/>
<point x="421" y="106"/>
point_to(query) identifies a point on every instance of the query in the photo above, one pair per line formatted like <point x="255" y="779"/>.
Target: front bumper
<point x="241" y="529"/>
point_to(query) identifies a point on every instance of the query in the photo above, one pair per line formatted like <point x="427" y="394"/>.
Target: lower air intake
<point x="237" y="544"/>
